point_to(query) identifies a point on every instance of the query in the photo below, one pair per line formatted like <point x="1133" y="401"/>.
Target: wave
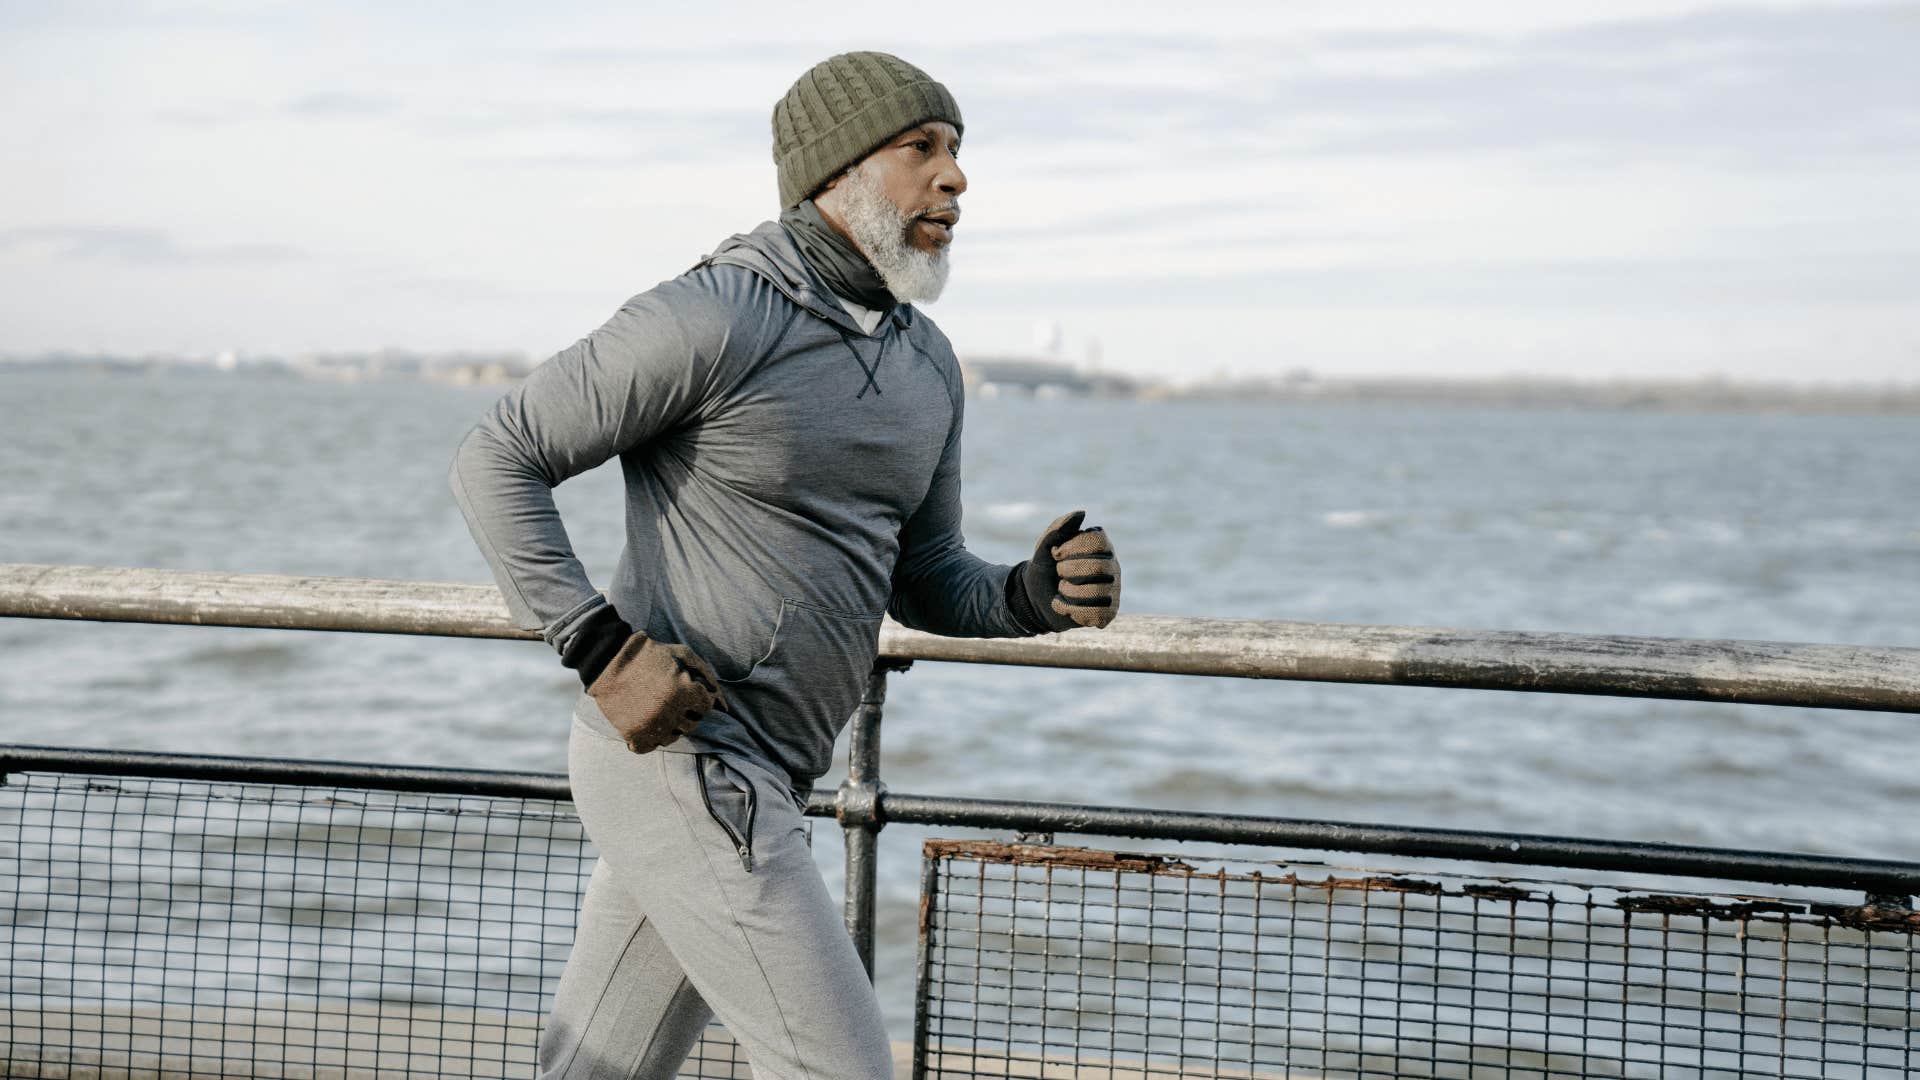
<point x="1676" y="594"/>
<point x="1012" y="511"/>
<point x="1352" y="519"/>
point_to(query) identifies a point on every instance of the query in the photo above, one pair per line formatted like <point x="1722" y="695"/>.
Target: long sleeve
<point x="637" y="376"/>
<point x="938" y="585"/>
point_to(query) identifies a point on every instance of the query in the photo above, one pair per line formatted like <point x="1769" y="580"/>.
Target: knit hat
<point x="841" y="109"/>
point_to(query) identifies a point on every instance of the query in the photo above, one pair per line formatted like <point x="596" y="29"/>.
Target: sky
<point x="1624" y="189"/>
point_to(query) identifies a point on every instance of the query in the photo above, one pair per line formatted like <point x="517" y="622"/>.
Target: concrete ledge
<point x="300" y="1041"/>
<point x="367" y="1041"/>
<point x="307" y="1041"/>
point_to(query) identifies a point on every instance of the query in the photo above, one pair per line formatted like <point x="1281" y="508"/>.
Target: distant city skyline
<point x="1632" y="188"/>
<point x="1050" y="376"/>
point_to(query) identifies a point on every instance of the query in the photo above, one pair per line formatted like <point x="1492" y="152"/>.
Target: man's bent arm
<point x="938" y="585"/>
<point x="630" y="380"/>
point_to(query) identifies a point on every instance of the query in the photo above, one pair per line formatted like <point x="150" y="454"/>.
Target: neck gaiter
<point x="845" y="270"/>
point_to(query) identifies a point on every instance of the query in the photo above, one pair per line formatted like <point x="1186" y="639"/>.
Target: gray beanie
<point x="841" y="109"/>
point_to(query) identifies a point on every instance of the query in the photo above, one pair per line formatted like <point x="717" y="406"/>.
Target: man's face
<point x="899" y="206"/>
<point x="917" y="171"/>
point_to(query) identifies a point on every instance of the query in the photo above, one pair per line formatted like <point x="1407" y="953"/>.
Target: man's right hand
<point x="653" y="692"/>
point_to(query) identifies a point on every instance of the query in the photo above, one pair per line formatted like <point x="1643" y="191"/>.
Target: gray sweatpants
<point x="705" y="902"/>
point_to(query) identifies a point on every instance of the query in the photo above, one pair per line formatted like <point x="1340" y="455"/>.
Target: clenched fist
<point x="653" y="692"/>
<point x="1072" y="580"/>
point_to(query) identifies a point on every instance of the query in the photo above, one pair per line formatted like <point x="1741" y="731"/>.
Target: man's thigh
<point x="758" y="936"/>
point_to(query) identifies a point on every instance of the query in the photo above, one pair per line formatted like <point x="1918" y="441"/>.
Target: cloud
<point x="335" y="103"/>
<point x="574" y="136"/>
<point x="739" y="53"/>
<point x="1675" y="284"/>
<point x="1218" y="223"/>
<point x="197" y="118"/>
<point x="1749" y="85"/>
<point x="140" y="246"/>
<point x="1774" y="84"/>
<point x="1717" y="166"/>
<point x="731" y="128"/>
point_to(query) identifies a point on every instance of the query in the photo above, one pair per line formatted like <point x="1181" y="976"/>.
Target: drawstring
<point x="872" y="370"/>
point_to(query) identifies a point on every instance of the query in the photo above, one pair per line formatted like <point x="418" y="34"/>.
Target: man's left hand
<point x="1072" y="580"/>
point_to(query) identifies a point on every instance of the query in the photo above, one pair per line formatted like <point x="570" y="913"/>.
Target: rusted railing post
<point x="857" y="807"/>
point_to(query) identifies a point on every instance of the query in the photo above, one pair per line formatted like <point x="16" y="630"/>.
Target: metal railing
<point x="1826" y="676"/>
<point x="1683" y="669"/>
<point x="171" y="915"/>
<point x="1065" y="962"/>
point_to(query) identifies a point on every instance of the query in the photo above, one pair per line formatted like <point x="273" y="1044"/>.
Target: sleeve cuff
<point x="1019" y="606"/>
<point x="595" y="643"/>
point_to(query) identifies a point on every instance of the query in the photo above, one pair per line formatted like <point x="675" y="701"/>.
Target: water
<point x="1799" y="528"/>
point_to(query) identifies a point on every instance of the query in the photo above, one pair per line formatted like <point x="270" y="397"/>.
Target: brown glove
<point x="1072" y="580"/>
<point x="653" y="692"/>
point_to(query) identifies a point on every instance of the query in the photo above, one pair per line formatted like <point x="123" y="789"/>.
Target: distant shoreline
<point x="1624" y="395"/>
<point x="1018" y="377"/>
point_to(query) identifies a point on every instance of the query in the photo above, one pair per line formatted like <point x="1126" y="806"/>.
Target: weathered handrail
<point x="1756" y="672"/>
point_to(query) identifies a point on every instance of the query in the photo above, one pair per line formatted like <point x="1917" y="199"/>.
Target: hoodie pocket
<point x="731" y="802"/>
<point x="813" y="670"/>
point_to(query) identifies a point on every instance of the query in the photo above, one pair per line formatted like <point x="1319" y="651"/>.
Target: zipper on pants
<point x="741" y="844"/>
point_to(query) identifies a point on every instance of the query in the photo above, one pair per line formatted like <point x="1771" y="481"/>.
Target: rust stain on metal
<point x="1043" y="855"/>
<point x="1129" y="862"/>
<point x="1706" y="907"/>
<point x="926" y="912"/>
<point x="1870" y="917"/>
<point x="1505" y="892"/>
<point x="1384" y="883"/>
<point x="1862" y="917"/>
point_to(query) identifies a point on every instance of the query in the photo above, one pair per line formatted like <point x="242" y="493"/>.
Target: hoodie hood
<point x="770" y="252"/>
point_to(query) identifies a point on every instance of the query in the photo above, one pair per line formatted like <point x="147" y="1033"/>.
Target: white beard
<point x="880" y="230"/>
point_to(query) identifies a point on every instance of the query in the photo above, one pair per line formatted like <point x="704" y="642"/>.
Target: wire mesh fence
<point x="1043" y="961"/>
<point x="182" y="927"/>
<point x="160" y="926"/>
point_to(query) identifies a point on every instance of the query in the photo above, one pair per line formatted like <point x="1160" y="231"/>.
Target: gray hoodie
<point x="789" y="480"/>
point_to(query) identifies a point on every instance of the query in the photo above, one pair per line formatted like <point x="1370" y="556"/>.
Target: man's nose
<point x="951" y="181"/>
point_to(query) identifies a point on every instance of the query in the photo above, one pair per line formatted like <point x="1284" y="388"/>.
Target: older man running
<point x="788" y="425"/>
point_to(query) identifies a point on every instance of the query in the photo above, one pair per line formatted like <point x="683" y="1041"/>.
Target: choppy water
<point x="1753" y="526"/>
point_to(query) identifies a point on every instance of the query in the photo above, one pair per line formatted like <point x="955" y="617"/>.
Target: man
<point x="788" y="425"/>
